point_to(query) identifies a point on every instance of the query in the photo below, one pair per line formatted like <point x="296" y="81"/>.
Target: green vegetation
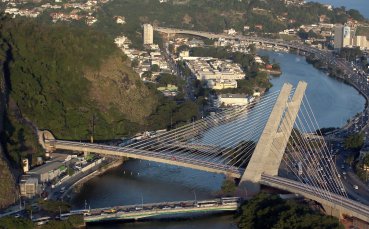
<point x="228" y="187"/>
<point x="355" y="141"/>
<point x="269" y="211"/>
<point x="164" y="79"/>
<point x="350" y="54"/>
<point x="363" y="31"/>
<point x="61" y="80"/>
<point x="362" y="168"/>
<point x="214" y="15"/>
<point x="54" y="206"/>
<point x="170" y="115"/>
<point x="76" y="83"/>
<point x="366" y="160"/>
<point x="74" y="221"/>
<point x="12" y="222"/>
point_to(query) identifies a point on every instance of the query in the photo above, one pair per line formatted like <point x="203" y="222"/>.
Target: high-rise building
<point x="342" y="37"/>
<point x="338" y="36"/>
<point x="148" y="37"/>
<point x="347" y="41"/>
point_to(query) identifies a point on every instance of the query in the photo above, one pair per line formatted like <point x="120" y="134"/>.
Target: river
<point x="332" y="101"/>
<point x="360" y="5"/>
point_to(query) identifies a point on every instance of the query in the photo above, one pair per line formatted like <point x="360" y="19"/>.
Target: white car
<point x="356" y="187"/>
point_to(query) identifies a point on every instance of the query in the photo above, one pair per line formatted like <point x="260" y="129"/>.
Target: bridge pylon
<point x="271" y="146"/>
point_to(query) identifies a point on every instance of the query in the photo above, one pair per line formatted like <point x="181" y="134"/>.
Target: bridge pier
<point x="272" y="143"/>
<point x="332" y="211"/>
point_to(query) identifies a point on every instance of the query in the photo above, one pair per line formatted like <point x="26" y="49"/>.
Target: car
<point x="356" y="187"/>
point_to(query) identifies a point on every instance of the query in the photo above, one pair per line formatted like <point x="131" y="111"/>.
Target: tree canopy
<point x="270" y="211"/>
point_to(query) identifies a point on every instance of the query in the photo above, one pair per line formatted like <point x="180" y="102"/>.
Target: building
<point x="184" y="53"/>
<point x="342" y="37"/>
<point x="213" y="69"/>
<point x="50" y="170"/>
<point x="234" y="99"/>
<point x="338" y="36"/>
<point x="29" y="186"/>
<point x="148" y="36"/>
<point x="221" y="84"/>
<point x="346" y="36"/>
<point x="361" y="42"/>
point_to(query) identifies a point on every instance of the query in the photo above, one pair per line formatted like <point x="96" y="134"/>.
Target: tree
<point x="228" y="187"/>
<point x="354" y="142"/>
<point x="366" y="160"/>
<point x="134" y="63"/>
<point x="155" y="68"/>
<point x="54" y="206"/>
<point x="147" y="74"/>
<point x="9" y="222"/>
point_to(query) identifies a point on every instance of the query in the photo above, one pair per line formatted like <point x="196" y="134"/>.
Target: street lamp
<point x="194" y="192"/>
<point x="142" y="201"/>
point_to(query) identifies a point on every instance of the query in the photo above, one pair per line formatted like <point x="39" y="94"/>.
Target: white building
<point x="346" y="36"/>
<point x="221" y="84"/>
<point x="234" y="99"/>
<point x="148" y="37"/>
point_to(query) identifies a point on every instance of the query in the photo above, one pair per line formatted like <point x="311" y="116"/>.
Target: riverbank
<point x="77" y="185"/>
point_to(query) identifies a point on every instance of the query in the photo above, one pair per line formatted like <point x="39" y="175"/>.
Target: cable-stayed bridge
<point x="266" y="142"/>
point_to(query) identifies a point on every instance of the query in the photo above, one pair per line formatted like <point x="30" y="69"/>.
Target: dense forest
<point x="76" y="83"/>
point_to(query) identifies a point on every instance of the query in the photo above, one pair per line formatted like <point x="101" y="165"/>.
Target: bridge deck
<point x="167" y="157"/>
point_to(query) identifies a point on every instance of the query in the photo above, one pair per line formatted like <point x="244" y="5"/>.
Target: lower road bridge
<point x="163" y="209"/>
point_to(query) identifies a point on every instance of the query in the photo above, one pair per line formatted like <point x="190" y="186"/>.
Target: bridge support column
<point x="329" y="210"/>
<point x="269" y="151"/>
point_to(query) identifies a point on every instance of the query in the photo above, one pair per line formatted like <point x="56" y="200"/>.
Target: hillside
<point x="267" y="16"/>
<point x="72" y="81"/>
